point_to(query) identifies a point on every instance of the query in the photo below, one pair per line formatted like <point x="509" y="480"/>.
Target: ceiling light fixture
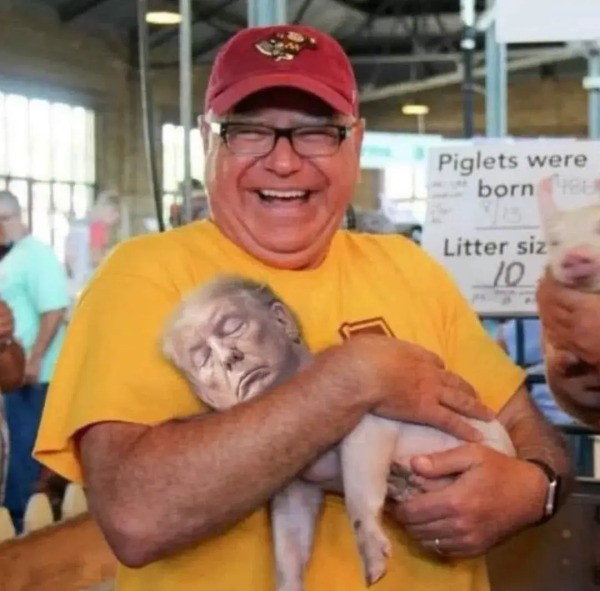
<point x="163" y="17"/>
<point x="415" y="109"/>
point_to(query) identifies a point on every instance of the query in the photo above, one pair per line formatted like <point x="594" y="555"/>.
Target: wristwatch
<point x="553" y="491"/>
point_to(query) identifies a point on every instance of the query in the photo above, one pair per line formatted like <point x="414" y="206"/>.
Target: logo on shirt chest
<point x="376" y="325"/>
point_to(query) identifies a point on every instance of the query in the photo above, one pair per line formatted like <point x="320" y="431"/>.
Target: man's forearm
<point x="534" y="437"/>
<point x="49" y="324"/>
<point x="187" y="479"/>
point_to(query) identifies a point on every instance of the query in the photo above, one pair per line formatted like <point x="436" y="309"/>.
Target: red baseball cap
<point x="258" y="58"/>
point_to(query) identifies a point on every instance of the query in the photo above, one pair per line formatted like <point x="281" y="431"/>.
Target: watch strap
<point x="552" y="492"/>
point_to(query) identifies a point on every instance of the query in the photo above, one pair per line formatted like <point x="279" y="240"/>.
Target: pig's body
<point x="362" y="461"/>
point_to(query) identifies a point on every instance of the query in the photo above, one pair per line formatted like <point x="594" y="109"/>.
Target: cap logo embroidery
<point x="285" y="46"/>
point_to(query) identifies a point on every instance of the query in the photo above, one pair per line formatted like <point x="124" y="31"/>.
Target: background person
<point x="33" y="285"/>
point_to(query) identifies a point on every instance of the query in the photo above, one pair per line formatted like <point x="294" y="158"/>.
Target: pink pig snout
<point x="579" y="263"/>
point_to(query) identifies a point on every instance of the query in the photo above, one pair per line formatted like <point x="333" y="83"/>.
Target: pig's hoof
<point x="375" y="549"/>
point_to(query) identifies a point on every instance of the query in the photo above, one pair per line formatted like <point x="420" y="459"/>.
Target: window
<point x="172" y="158"/>
<point x="405" y="192"/>
<point x="47" y="159"/>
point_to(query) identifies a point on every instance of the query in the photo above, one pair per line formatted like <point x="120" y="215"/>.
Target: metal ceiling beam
<point x="302" y="11"/>
<point x="199" y="14"/>
<point x="442" y="80"/>
<point x="71" y="10"/>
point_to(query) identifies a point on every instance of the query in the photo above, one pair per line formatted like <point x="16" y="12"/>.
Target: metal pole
<point x="495" y="83"/>
<point x="592" y="83"/>
<point x="467" y="9"/>
<point x="148" y="112"/>
<point x="185" y="101"/>
<point x="266" y="12"/>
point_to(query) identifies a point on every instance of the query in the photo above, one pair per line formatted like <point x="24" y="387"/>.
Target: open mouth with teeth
<point x="283" y="197"/>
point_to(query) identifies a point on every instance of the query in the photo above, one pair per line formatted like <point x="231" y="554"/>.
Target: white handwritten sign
<point x="482" y="221"/>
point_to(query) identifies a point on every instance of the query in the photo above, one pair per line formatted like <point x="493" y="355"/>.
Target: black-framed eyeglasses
<point x="309" y="141"/>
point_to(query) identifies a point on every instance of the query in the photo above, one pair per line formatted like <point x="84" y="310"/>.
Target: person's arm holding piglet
<point x="571" y="344"/>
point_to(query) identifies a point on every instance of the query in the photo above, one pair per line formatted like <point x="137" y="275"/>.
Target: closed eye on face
<point x="229" y="325"/>
<point x="200" y="354"/>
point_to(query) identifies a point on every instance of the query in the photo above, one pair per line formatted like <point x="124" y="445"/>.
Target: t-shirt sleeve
<point x="110" y="367"/>
<point x="47" y="281"/>
<point x="468" y="349"/>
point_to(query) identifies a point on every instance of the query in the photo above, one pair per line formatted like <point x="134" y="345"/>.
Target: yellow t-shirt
<point x="111" y="369"/>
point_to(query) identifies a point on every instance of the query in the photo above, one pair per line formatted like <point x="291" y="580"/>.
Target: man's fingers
<point x="453" y="423"/>
<point x="425" y="508"/>
<point x="551" y="292"/>
<point x="454" y="381"/>
<point x="439" y="528"/>
<point x="448" y="548"/>
<point x="445" y="463"/>
<point x="463" y="402"/>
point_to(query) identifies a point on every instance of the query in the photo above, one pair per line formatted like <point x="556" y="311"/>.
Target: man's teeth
<point x="271" y="194"/>
<point x="283" y="194"/>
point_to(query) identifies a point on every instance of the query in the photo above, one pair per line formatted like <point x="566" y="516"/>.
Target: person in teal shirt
<point x="33" y="283"/>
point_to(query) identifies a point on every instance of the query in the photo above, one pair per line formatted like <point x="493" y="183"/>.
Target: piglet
<point x="573" y="243"/>
<point x="573" y="240"/>
<point x="368" y="465"/>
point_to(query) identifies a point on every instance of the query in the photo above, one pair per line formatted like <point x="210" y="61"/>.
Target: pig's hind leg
<point x="294" y="512"/>
<point x="367" y="453"/>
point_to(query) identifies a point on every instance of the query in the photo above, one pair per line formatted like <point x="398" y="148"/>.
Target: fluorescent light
<point x="415" y="109"/>
<point x="163" y="18"/>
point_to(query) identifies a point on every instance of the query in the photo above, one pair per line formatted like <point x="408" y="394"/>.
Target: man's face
<point x="10" y="222"/>
<point x="237" y="349"/>
<point x="284" y="232"/>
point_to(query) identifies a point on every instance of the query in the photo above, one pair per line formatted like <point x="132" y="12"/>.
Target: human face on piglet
<point x="233" y="349"/>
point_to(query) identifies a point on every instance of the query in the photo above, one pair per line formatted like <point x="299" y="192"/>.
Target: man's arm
<point x="49" y="324"/>
<point x="155" y="490"/>
<point x="534" y="437"/>
<point x="494" y="495"/>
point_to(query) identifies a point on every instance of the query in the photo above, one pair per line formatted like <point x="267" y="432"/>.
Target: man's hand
<point x="7" y="323"/>
<point x="493" y="496"/>
<point x="407" y="382"/>
<point x="32" y="370"/>
<point x="571" y="320"/>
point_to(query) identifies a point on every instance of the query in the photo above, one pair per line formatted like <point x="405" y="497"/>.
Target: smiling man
<point x="181" y="493"/>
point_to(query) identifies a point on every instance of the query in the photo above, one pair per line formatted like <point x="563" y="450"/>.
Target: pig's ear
<point x="546" y="203"/>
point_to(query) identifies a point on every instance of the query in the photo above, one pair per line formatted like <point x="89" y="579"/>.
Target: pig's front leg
<point x="367" y="454"/>
<point x="294" y="512"/>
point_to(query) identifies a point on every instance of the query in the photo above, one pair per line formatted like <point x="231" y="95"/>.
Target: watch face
<point x="551" y="504"/>
<point x="551" y="498"/>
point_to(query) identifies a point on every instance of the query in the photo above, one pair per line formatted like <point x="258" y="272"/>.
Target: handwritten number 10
<point x="509" y="275"/>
